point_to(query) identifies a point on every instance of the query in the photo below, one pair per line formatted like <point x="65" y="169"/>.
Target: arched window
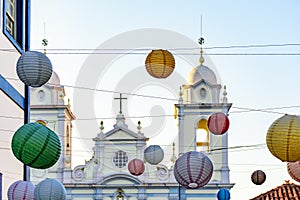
<point x="202" y="135"/>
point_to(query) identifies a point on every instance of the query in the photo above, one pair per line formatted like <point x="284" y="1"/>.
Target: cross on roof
<point x="120" y="98"/>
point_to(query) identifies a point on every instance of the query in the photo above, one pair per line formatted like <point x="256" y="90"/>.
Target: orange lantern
<point x="160" y="63"/>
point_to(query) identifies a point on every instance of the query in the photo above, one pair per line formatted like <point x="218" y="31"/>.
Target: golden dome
<point x="283" y="138"/>
<point x="160" y="63"/>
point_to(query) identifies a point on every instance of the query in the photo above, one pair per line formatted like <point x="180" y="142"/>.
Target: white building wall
<point x="11" y="116"/>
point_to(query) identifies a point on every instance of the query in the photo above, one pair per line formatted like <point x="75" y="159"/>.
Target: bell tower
<point x="197" y="101"/>
<point x="48" y="105"/>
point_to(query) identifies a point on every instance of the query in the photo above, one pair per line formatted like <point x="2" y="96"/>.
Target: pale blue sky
<point x="253" y="81"/>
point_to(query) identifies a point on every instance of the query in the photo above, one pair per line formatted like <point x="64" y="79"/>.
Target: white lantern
<point x="193" y="170"/>
<point x="154" y="154"/>
<point x="50" y="189"/>
<point x="21" y="190"/>
<point x="34" y="68"/>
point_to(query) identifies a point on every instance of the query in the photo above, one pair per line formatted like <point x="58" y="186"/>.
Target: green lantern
<point x="36" y="146"/>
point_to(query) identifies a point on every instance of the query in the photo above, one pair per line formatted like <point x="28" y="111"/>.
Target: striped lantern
<point x="160" y="63"/>
<point x="293" y="169"/>
<point x="223" y="194"/>
<point x="50" y="189"/>
<point x="258" y="177"/>
<point x="34" y="68"/>
<point x="154" y="154"/>
<point x="136" y="167"/>
<point x="193" y="169"/>
<point x="218" y="123"/>
<point x="283" y="138"/>
<point x="21" y="190"/>
<point x="36" y="146"/>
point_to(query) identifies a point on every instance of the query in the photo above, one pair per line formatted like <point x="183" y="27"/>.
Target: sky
<point x="254" y="82"/>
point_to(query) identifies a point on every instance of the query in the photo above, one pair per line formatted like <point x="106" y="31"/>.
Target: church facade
<point x="105" y="175"/>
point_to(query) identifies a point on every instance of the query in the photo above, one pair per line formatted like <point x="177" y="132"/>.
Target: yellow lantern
<point x="283" y="138"/>
<point x="160" y="63"/>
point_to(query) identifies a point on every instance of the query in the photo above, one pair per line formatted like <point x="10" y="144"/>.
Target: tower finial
<point x="45" y="43"/>
<point x="201" y="42"/>
<point x="101" y="126"/>
<point x="225" y="100"/>
<point x="201" y="59"/>
<point x="173" y="158"/>
<point x="180" y="100"/>
<point x="139" y="127"/>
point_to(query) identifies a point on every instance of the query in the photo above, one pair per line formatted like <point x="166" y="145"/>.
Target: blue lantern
<point x="223" y="194"/>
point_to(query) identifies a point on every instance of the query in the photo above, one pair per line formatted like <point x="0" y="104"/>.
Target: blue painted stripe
<point x="11" y="92"/>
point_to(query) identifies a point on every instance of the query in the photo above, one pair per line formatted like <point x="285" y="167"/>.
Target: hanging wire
<point x="176" y="48"/>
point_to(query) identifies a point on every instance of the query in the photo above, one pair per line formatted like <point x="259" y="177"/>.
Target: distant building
<point x="13" y="40"/>
<point x="286" y="191"/>
<point x="105" y="174"/>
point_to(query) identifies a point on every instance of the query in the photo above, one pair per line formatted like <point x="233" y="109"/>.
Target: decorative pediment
<point x="123" y="133"/>
<point x="117" y="179"/>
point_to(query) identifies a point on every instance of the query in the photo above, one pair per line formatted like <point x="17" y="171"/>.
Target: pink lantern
<point x="136" y="167"/>
<point x="294" y="170"/>
<point x="218" y="123"/>
<point x="193" y="169"/>
<point x="21" y="190"/>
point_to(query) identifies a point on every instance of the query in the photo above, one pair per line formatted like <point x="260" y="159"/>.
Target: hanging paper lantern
<point x="218" y="123"/>
<point x="283" y="138"/>
<point x="136" y="167"/>
<point x="50" y="189"/>
<point x="293" y="169"/>
<point x="193" y="169"/>
<point x="160" y="63"/>
<point x="21" y="190"/>
<point x="34" y="68"/>
<point x="154" y="154"/>
<point x="258" y="177"/>
<point x="223" y="194"/>
<point x="36" y="146"/>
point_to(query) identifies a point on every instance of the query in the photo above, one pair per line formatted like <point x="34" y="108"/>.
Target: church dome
<point x="54" y="79"/>
<point x="202" y="72"/>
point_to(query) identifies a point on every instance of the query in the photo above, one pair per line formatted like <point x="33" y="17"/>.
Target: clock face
<point x="203" y="93"/>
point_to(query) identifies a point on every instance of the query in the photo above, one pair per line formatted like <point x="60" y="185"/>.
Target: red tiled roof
<point x="287" y="191"/>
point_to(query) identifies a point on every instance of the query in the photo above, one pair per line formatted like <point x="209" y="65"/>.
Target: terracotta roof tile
<point x="287" y="191"/>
